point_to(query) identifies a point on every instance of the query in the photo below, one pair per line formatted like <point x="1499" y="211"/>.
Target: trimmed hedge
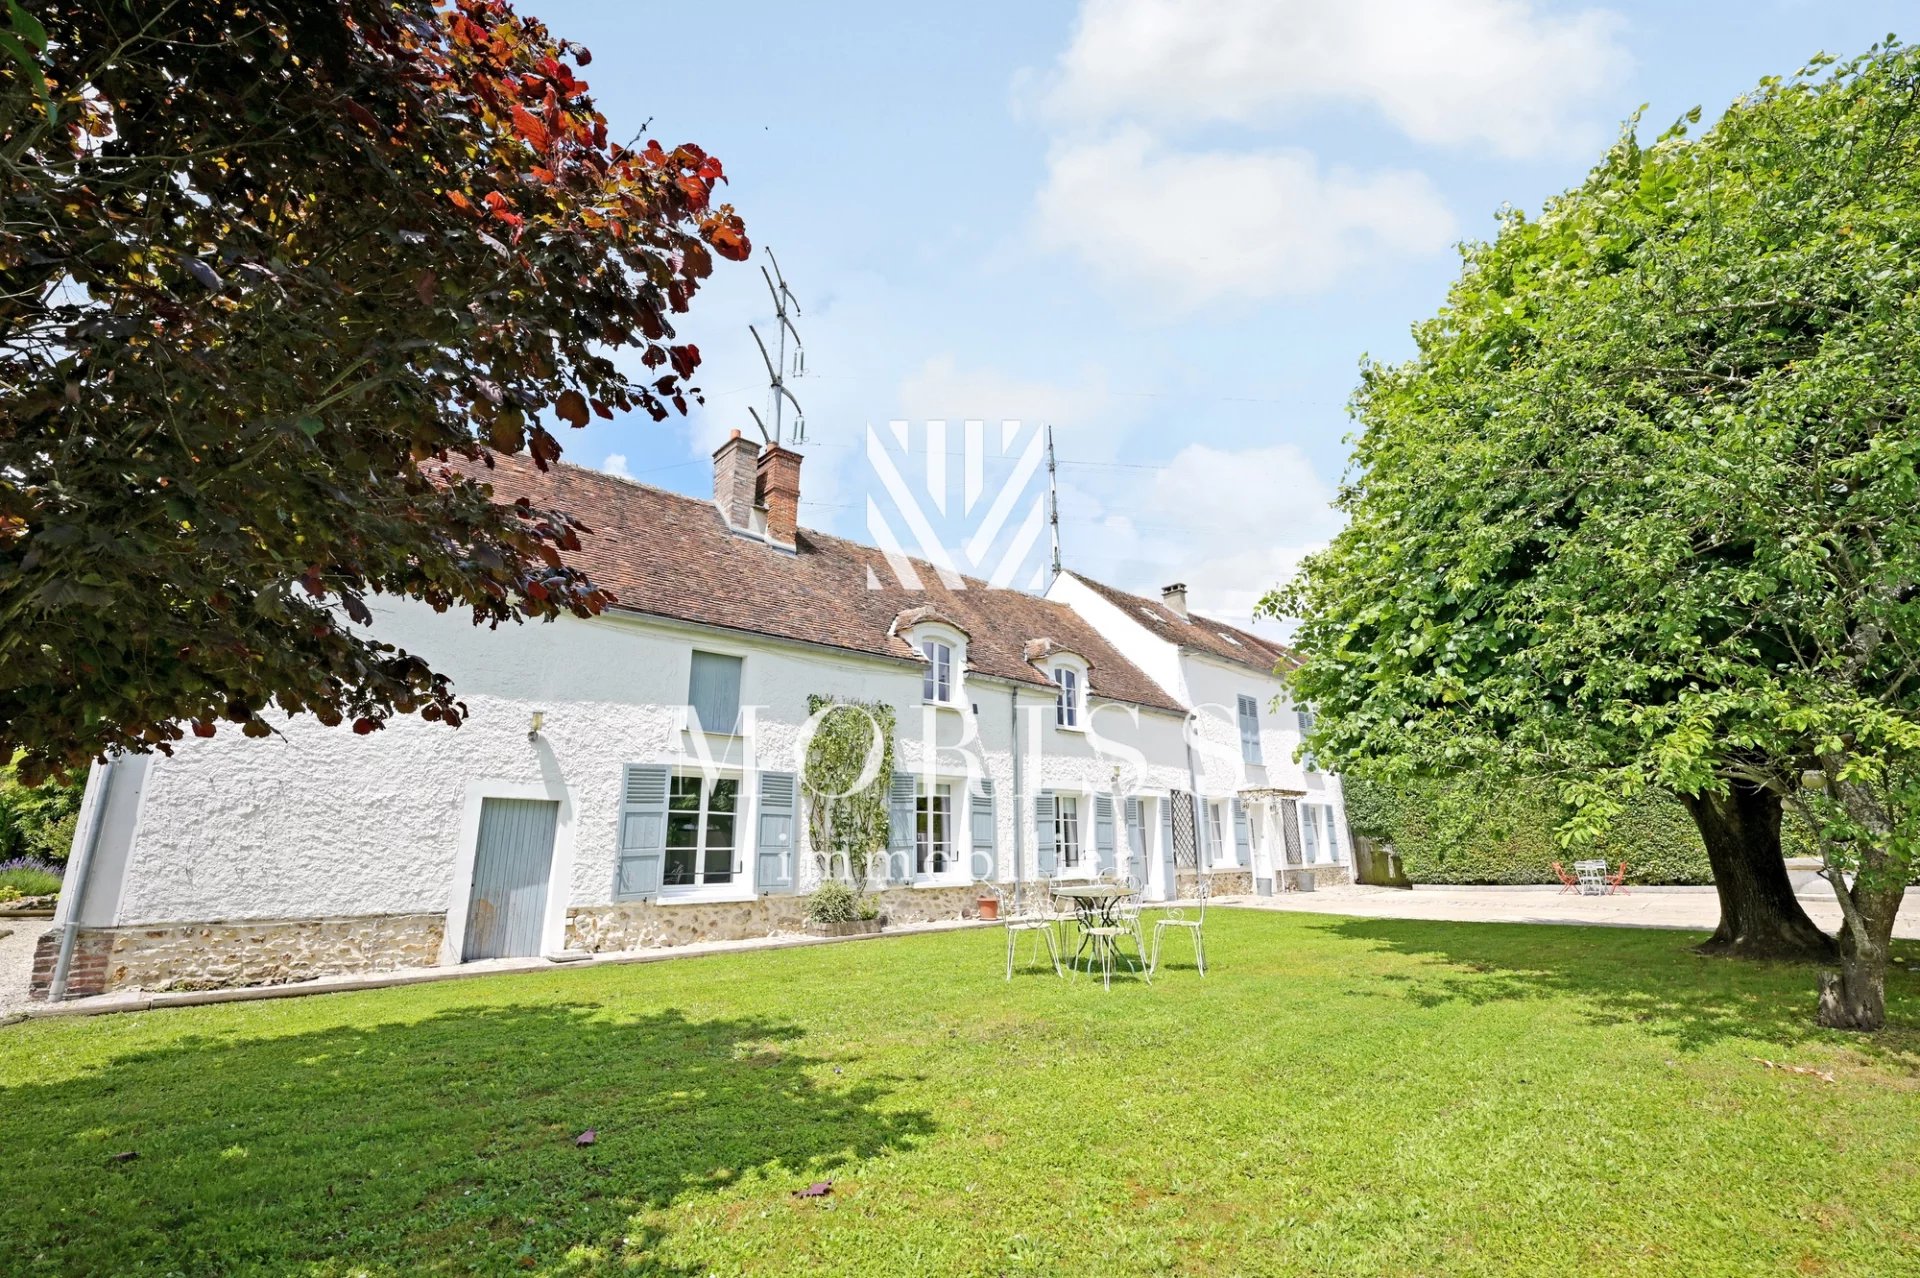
<point x="1456" y="832"/>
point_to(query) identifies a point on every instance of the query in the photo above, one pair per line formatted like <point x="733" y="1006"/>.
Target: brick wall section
<point x="777" y="487"/>
<point x="86" y="975"/>
<point x="734" y="479"/>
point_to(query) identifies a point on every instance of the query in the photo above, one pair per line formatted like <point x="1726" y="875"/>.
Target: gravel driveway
<point x="16" y="960"/>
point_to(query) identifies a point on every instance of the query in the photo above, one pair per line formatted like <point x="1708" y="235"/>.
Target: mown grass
<point x="1335" y="1097"/>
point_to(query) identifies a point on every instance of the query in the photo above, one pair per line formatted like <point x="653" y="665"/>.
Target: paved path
<point x="1694" y="909"/>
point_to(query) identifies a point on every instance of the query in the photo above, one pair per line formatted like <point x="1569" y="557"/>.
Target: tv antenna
<point x="778" y="369"/>
<point x="1053" y="501"/>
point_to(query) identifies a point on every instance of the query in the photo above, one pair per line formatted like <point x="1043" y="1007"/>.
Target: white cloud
<point x="1200" y="226"/>
<point x="942" y="390"/>
<point x="616" y="464"/>
<point x="1231" y="523"/>
<point x="1498" y="72"/>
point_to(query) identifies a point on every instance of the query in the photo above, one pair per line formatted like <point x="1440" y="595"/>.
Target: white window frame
<point x="1252" y="749"/>
<point x="1319" y="838"/>
<point x="701" y="887"/>
<point x="933" y="643"/>
<point x="941" y="793"/>
<point x="1070" y="696"/>
<point x="1066" y="819"/>
<point x="1216" y="823"/>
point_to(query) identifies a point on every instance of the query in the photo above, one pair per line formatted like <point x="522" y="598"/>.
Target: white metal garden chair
<point x="1031" y="917"/>
<point x="1195" y="924"/>
<point x="1121" y="921"/>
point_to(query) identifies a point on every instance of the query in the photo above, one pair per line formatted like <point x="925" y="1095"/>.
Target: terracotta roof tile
<point x="669" y="555"/>
<point x="1200" y="634"/>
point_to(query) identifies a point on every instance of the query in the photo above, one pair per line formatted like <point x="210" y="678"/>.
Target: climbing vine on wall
<point x="844" y="817"/>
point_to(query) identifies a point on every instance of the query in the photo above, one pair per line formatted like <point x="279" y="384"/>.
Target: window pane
<point x="679" y="871"/>
<point x="714" y="692"/>
<point x="685" y="794"/>
<point x="1066" y="830"/>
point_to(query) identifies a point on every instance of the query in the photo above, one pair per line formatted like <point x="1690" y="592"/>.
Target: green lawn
<point x="1336" y="1097"/>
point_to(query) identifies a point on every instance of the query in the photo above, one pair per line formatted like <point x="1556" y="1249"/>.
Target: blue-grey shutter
<point x="1043" y="813"/>
<point x="643" y="831"/>
<point x="714" y="693"/>
<point x="1103" y="833"/>
<point x="779" y="794"/>
<point x="1242" y="837"/>
<point x="900" y="797"/>
<point x="1249" y="730"/>
<point x="1305" y="719"/>
<point x="986" y="860"/>
<point x="1136" y="842"/>
<point x="1166" y="837"/>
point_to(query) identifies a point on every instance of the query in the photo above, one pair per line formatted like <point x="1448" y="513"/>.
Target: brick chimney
<point x="1175" y="597"/>
<point x="733" y="480"/>
<point x="777" y="487"/>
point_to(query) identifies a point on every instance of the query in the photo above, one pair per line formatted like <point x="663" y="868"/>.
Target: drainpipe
<point x="87" y="839"/>
<point x="1019" y="819"/>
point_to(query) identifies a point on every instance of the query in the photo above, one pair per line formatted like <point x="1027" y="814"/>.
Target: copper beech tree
<point x="277" y="278"/>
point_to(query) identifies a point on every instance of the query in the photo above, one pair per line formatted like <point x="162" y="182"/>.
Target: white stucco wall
<point x="321" y="822"/>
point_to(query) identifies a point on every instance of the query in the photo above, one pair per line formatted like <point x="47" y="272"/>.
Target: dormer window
<point x="1066" y="707"/>
<point x="936" y="681"/>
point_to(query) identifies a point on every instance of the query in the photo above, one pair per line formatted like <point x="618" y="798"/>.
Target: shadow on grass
<point x="445" y="1145"/>
<point x="1641" y="977"/>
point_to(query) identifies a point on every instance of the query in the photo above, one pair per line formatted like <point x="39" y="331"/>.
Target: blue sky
<point x="1169" y="228"/>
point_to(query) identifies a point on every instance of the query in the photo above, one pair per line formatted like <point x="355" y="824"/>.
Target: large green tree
<point x="1643" y="510"/>
<point x="277" y="277"/>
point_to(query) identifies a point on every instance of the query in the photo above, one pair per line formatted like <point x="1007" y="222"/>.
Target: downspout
<point x="1019" y="816"/>
<point x="87" y="839"/>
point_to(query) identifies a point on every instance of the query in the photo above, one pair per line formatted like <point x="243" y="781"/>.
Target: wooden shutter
<point x="643" y="831"/>
<point x="1103" y="833"/>
<point x="1242" y="837"/>
<point x="986" y="857"/>
<point x="1043" y="850"/>
<point x="900" y="797"/>
<point x="1305" y="720"/>
<point x="714" y="693"/>
<point x="1249" y="730"/>
<point x="773" y="862"/>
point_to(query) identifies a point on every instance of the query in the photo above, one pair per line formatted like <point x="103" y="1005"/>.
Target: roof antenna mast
<point x="1053" y="502"/>
<point x="784" y="308"/>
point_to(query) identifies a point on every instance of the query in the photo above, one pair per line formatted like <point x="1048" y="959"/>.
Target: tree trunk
<point x="1855" y="997"/>
<point x="1759" y="915"/>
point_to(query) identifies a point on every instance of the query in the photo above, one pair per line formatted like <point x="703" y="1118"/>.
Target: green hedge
<point x="1463" y="832"/>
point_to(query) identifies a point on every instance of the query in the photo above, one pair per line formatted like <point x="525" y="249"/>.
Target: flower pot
<point x="989" y="908"/>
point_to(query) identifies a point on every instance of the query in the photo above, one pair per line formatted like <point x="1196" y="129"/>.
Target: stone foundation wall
<point x="1225" y="883"/>
<point x="645" y="925"/>
<point x="191" y="956"/>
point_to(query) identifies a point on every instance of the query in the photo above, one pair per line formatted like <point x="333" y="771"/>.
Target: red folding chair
<point x="1618" y="883"/>
<point x="1568" y="883"/>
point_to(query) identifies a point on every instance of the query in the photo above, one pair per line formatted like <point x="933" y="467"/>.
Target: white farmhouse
<point x="635" y="779"/>
<point x="1271" y="821"/>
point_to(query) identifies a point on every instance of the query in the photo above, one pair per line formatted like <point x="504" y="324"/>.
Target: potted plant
<point x="987" y="898"/>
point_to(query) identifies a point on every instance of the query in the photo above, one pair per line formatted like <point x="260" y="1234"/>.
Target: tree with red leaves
<point x="277" y="278"/>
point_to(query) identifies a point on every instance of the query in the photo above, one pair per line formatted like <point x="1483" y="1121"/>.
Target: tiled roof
<point x="668" y="555"/>
<point x="1200" y="634"/>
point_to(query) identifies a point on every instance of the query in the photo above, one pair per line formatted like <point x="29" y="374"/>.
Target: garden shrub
<point x="29" y="877"/>
<point x="833" y="902"/>
<point x="1461" y="831"/>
